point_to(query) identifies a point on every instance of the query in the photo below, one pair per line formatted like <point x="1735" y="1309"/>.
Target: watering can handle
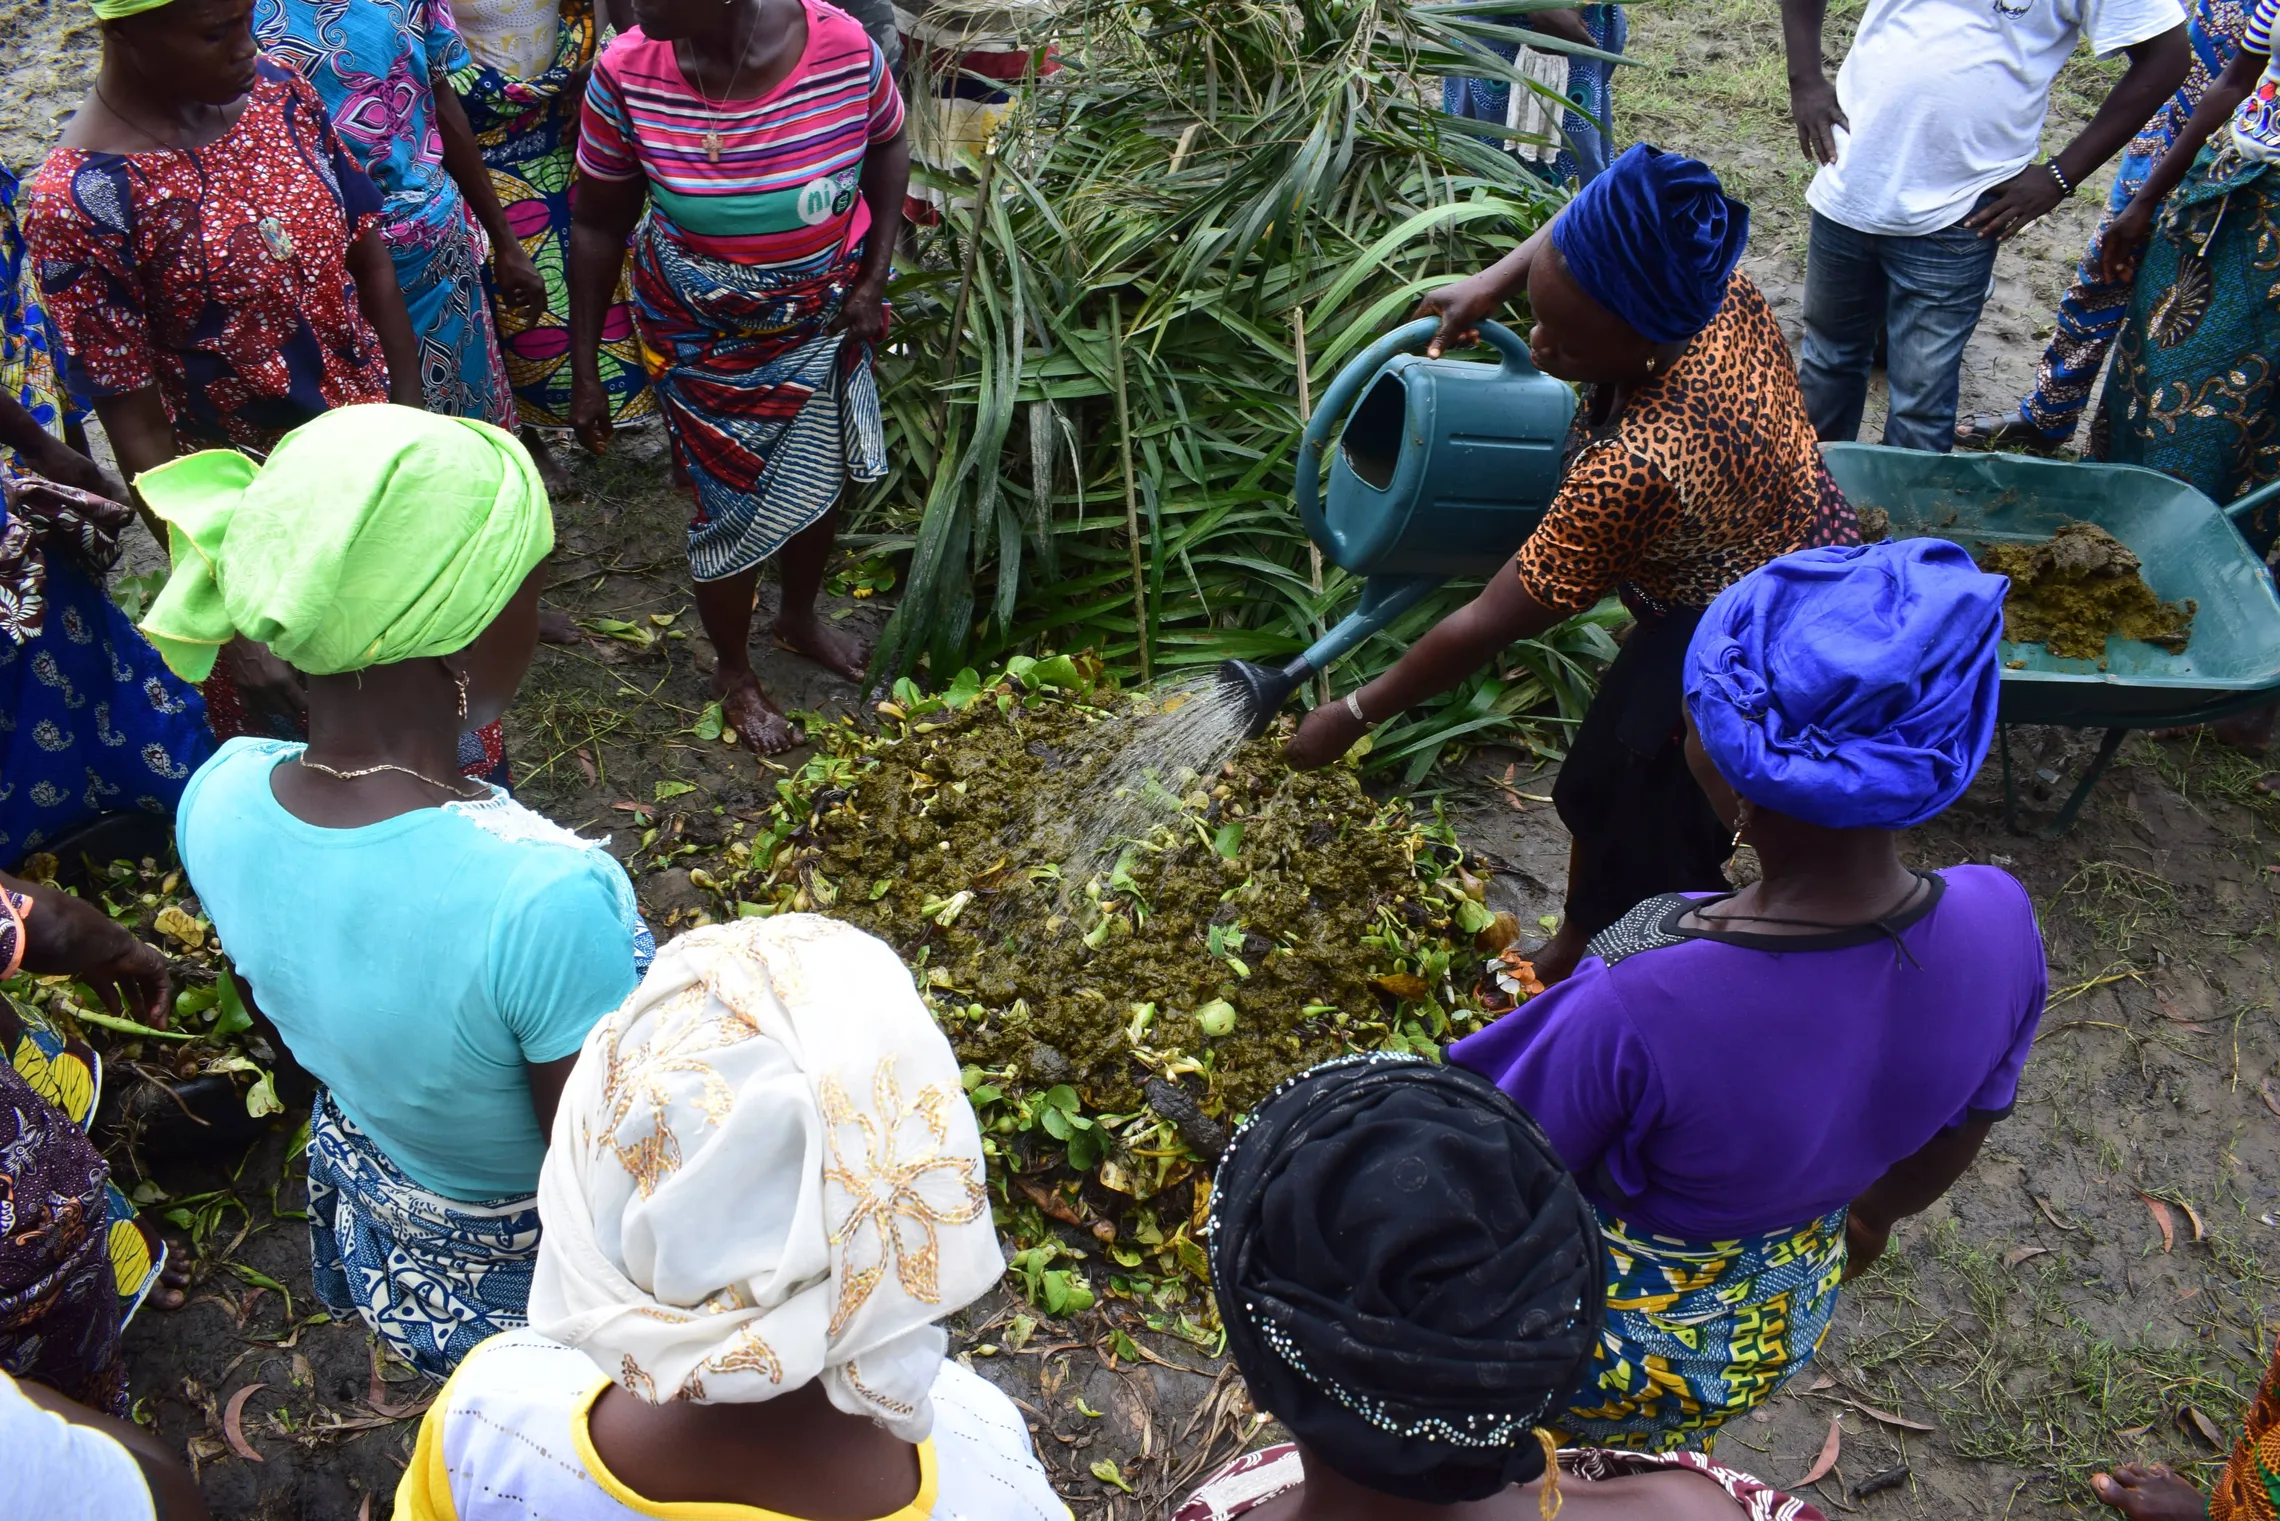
<point x="2255" y="499"/>
<point x="1347" y="386"/>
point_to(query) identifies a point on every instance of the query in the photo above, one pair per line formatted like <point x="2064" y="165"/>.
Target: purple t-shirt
<point x="1712" y="1087"/>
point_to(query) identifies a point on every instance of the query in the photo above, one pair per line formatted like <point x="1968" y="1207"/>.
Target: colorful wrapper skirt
<point x="768" y="414"/>
<point x="1585" y="149"/>
<point x="2249" y="1489"/>
<point x="527" y="129"/>
<point x="2195" y="387"/>
<point x="440" y="253"/>
<point x="1700" y="1331"/>
<point x="76" y="1261"/>
<point x="91" y="720"/>
<point x="432" y="1276"/>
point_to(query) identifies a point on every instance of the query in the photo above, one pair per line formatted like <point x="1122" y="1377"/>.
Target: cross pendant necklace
<point x="711" y="139"/>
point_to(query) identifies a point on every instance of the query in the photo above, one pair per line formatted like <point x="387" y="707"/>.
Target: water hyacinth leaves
<point x="1094" y="391"/>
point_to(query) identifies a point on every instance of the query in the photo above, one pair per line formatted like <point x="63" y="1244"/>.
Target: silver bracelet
<point x="1354" y="706"/>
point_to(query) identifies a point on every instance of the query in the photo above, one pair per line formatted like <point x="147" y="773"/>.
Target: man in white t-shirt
<point x="1927" y="149"/>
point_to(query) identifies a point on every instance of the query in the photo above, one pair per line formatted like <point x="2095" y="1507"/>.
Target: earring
<point x="1741" y="822"/>
<point x="459" y="679"/>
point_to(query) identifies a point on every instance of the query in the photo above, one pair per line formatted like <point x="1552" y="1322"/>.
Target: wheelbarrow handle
<point x="2261" y="496"/>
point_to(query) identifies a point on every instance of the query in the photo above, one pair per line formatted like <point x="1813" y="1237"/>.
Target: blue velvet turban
<point x="1852" y="688"/>
<point x="1654" y="240"/>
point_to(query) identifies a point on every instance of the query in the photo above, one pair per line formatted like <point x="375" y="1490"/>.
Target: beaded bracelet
<point x="2065" y="185"/>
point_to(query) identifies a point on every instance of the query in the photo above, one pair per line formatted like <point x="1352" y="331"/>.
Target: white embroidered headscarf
<point x="764" y="1170"/>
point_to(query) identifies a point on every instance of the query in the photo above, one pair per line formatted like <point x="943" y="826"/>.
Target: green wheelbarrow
<point x="2188" y="547"/>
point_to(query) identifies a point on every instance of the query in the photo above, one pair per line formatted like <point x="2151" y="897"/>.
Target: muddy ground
<point x="2102" y="1284"/>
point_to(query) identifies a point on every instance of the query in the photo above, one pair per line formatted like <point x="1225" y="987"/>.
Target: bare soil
<point x="2099" y="1287"/>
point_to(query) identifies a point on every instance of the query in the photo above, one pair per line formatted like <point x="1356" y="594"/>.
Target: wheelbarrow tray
<point x="2189" y="549"/>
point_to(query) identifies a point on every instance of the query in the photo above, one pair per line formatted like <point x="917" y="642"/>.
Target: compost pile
<point x="1118" y="1011"/>
<point x="208" y="1070"/>
<point x="2073" y="589"/>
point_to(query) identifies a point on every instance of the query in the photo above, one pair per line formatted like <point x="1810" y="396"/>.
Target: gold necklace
<point x="417" y="776"/>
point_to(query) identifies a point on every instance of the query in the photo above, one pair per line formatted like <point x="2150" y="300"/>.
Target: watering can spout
<point x="1262" y="688"/>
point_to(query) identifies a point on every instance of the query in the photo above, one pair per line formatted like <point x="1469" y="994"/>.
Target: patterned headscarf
<point x="1410" y="1280"/>
<point x="765" y="1171"/>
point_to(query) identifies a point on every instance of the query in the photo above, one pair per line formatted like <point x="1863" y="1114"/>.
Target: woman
<point x="39" y="425"/>
<point x="1697" y="464"/>
<point x="2192" y="391"/>
<point x="209" y="255"/>
<point x="767" y="137"/>
<point x="2247" y="1490"/>
<point x="757" y="1208"/>
<point x="2090" y="313"/>
<point x="382" y="68"/>
<point x="430" y="951"/>
<point x="1576" y="149"/>
<point x="1744" y="1150"/>
<point x="75" y="1263"/>
<point x="212" y="262"/>
<point x="522" y="87"/>
<point x="1409" y="1282"/>
<point x="65" y="1460"/>
<point x="95" y="721"/>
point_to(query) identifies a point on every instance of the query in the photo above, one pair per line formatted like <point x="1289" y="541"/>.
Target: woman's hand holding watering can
<point x="1460" y="307"/>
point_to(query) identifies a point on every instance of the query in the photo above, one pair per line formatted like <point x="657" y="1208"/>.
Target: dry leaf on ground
<point x="233" y="1423"/>
<point x="1828" y="1458"/>
<point x="2019" y="1254"/>
<point x="2162" y="1218"/>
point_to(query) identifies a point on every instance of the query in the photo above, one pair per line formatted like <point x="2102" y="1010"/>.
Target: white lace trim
<point x="502" y="817"/>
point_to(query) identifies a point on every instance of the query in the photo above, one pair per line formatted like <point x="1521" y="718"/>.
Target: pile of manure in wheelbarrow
<point x="2071" y="590"/>
<point x="1119" y="1011"/>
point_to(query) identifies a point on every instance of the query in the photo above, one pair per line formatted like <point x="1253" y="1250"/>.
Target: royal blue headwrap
<point x="1654" y="240"/>
<point x="1852" y="688"/>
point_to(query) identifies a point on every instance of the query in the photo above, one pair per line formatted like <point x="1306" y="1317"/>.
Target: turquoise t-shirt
<point x="417" y="967"/>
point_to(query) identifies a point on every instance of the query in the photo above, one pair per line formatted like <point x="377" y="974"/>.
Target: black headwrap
<point x="1409" y="1278"/>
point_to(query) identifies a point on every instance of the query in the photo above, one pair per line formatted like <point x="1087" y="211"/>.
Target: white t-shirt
<point x="1947" y="97"/>
<point x="56" y="1471"/>
<point x="506" y="1440"/>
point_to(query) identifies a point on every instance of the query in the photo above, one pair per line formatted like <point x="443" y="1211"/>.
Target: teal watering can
<point x="1443" y="469"/>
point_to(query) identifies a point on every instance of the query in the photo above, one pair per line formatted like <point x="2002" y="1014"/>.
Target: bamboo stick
<point x="1131" y="489"/>
<point x="1313" y="550"/>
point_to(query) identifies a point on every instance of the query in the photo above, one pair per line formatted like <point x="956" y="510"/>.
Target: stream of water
<point x="1134" y="772"/>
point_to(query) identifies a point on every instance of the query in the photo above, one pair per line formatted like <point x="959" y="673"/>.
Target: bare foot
<point x="2149" y="1492"/>
<point x="757" y="721"/>
<point x="556" y="627"/>
<point x="551" y="475"/>
<point x="1555" y="959"/>
<point x="167" y="1293"/>
<point x="841" y="653"/>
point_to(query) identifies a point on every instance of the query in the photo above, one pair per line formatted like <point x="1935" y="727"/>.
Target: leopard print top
<point x="1711" y="470"/>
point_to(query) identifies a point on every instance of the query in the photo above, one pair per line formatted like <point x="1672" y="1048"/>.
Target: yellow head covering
<point x="374" y="534"/>
<point x="112" y="10"/>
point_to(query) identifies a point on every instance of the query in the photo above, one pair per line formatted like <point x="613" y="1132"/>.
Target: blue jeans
<point x="1925" y="293"/>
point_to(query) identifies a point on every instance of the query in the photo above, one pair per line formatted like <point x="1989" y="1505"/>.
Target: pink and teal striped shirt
<point x="788" y="183"/>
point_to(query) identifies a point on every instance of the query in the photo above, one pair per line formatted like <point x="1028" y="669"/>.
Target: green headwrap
<point x="112" y="10"/>
<point x="374" y="534"/>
